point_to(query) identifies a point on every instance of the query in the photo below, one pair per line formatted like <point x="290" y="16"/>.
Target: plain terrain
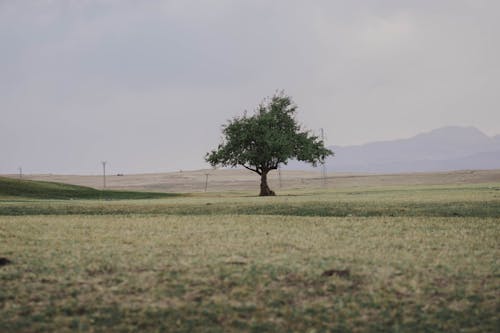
<point x="243" y="180"/>
<point x="408" y="256"/>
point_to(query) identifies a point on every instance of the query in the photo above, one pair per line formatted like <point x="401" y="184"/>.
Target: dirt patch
<point x="343" y="273"/>
<point x="4" y="261"/>
<point x="236" y="262"/>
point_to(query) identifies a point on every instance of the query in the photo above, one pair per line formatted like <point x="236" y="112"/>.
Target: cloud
<point x="148" y="83"/>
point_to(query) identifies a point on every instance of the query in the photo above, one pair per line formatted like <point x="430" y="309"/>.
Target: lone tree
<point x="265" y="140"/>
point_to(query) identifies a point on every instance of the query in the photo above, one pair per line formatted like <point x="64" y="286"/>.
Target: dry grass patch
<point x="261" y="273"/>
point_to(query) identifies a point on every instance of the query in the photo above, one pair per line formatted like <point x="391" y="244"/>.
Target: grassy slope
<point x="11" y="188"/>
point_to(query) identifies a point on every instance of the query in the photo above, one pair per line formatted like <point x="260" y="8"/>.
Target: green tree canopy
<point x="266" y="139"/>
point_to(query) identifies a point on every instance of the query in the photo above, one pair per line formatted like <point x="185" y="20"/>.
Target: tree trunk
<point x="264" y="188"/>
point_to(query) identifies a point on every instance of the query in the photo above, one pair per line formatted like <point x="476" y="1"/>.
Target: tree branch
<point x="254" y="170"/>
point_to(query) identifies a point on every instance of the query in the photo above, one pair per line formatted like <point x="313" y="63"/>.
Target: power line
<point x="279" y="175"/>
<point x="206" y="181"/>
<point x="323" y="166"/>
<point x="104" y="173"/>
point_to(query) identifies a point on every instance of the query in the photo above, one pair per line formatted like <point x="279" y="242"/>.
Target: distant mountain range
<point x="443" y="149"/>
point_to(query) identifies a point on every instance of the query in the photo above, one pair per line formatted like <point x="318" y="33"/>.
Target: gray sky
<point x="147" y="84"/>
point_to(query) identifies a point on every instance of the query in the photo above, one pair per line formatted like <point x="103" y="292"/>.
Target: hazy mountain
<point x="447" y="148"/>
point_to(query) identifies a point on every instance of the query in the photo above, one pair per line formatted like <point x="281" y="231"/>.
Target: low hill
<point x="50" y="190"/>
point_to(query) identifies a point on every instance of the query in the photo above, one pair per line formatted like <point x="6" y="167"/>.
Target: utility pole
<point x="104" y="173"/>
<point x="323" y="166"/>
<point x="20" y="172"/>
<point x="279" y="175"/>
<point x="206" y="181"/>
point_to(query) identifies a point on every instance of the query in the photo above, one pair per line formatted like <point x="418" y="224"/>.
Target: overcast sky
<point x="146" y="85"/>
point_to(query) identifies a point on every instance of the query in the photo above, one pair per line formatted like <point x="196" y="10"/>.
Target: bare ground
<point x="243" y="180"/>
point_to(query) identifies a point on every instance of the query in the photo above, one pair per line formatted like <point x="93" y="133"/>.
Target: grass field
<point x="378" y="259"/>
<point x="15" y="188"/>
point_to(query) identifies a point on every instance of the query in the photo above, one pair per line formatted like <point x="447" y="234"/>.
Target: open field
<point x="374" y="258"/>
<point x="244" y="180"/>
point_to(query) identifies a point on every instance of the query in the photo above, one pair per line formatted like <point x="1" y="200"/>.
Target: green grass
<point x="419" y="259"/>
<point x="307" y="208"/>
<point x="16" y="188"/>
<point x="466" y="201"/>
